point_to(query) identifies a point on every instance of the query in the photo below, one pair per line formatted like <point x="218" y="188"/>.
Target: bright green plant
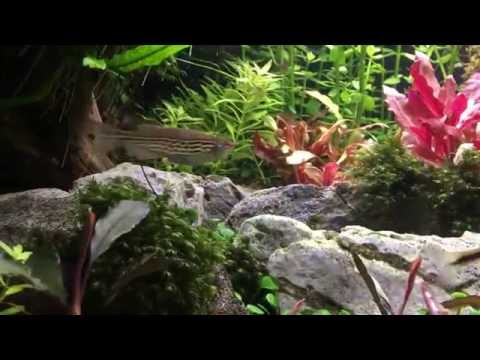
<point x="163" y="266"/>
<point x="7" y="288"/>
<point x="246" y="104"/>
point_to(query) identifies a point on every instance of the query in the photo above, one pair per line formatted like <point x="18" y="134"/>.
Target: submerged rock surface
<point x="317" y="264"/>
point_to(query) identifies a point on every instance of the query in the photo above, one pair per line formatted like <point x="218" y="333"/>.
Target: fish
<point x="151" y="142"/>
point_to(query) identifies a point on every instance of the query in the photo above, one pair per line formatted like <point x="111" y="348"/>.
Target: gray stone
<point x="438" y="254"/>
<point x="306" y="203"/>
<point x="48" y="213"/>
<point x="326" y="275"/>
<point x="266" y="233"/>
<point x="317" y="264"/>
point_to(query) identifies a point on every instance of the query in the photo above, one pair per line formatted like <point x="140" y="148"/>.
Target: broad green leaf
<point x="310" y="56"/>
<point x="225" y="231"/>
<point x="12" y="268"/>
<point x="94" y="63"/>
<point x="143" y="56"/>
<point x="120" y="220"/>
<point x="45" y="265"/>
<point x="368" y="103"/>
<point x="458" y="295"/>
<point x="325" y="100"/>
<point x="267" y="282"/>
<point x="254" y="310"/>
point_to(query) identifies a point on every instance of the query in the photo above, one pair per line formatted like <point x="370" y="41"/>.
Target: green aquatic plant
<point x="8" y="287"/>
<point x="399" y="192"/>
<point x="180" y="258"/>
<point x="243" y="105"/>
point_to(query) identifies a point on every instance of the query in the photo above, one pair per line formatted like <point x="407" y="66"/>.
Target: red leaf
<point x="472" y="87"/>
<point x="297" y="307"/>
<point x="329" y="172"/>
<point x="414" y="267"/>
<point x="434" y="308"/>
<point x="266" y="152"/>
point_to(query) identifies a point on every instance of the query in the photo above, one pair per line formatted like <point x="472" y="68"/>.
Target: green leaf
<point x="17" y="309"/>
<point x="118" y="221"/>
<point x="143" y="56"/>
<point x="344" y="312"/>
<point x="310" y="56"/>
<point x="372" y="50"/>
<point x="94" y="63"/>
<point x="254" y="310"/>
<point x="268" y="283"/>
<point x="392" y="80"/>
<point x="272" y="300"/>
<point x="368" y="103"/>
<point x="45" y="265"/>
<point x="15" y="289"/>
<point x="346" y="97"/>
<point x="458" y="295"/>
<point x="471" y="300"/>
<point x="325" y="100"/>
<point x="12" y="268"/>
<point x="337" y="55"/>
<point x="322" y="312"/>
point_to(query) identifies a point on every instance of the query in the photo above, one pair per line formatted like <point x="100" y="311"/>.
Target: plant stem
<point x="442" y="67"/>
<point x="382" y="80"/>
<point x="454" y="51"/>
<point x="361" y="78"/>
<point x="291" y="76"/>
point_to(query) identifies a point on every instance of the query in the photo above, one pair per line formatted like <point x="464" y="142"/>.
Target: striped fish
<point x="150" y="142"/>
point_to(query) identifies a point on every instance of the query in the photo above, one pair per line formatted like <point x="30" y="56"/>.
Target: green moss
<point x="399" y="193"/>
<point x="184" y="285"/>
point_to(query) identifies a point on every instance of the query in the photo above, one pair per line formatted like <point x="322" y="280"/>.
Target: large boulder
<point x="320" y="207"/>
<point x="317" y="264"/>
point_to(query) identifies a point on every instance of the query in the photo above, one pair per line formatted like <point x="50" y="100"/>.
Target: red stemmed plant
<point x="310" y="153"/>
<point x="436" y="120"/>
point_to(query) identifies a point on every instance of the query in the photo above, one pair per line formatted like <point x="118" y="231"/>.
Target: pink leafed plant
<point x="436" y="120"/>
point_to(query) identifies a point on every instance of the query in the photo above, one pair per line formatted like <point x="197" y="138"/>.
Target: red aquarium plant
<point x="310" y="153"/>
<point x="436" y="120"/>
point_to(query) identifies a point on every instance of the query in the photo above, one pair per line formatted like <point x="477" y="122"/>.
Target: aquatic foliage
<point x="179" y="258"/>
<point x="9" y="268"/>
<point x="244" y="104"/>
<point x="401" y="193"/>
<point x="134" y="58"/>
<point x="45" y="271"/>
<point x="435" y="119"/>
<point x="310" y="152"/>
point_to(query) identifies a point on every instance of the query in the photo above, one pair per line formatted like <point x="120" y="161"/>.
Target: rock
<point x="317" y="264"/>
<point x="326" y="275"/>
<point x="266" y="233"/>
<point x="47" y="213"/>
<point x="221" y="195"/>
<point x="400" y="249"/>
<point x="317" y="206"/>
<point x="212" y="197"/>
